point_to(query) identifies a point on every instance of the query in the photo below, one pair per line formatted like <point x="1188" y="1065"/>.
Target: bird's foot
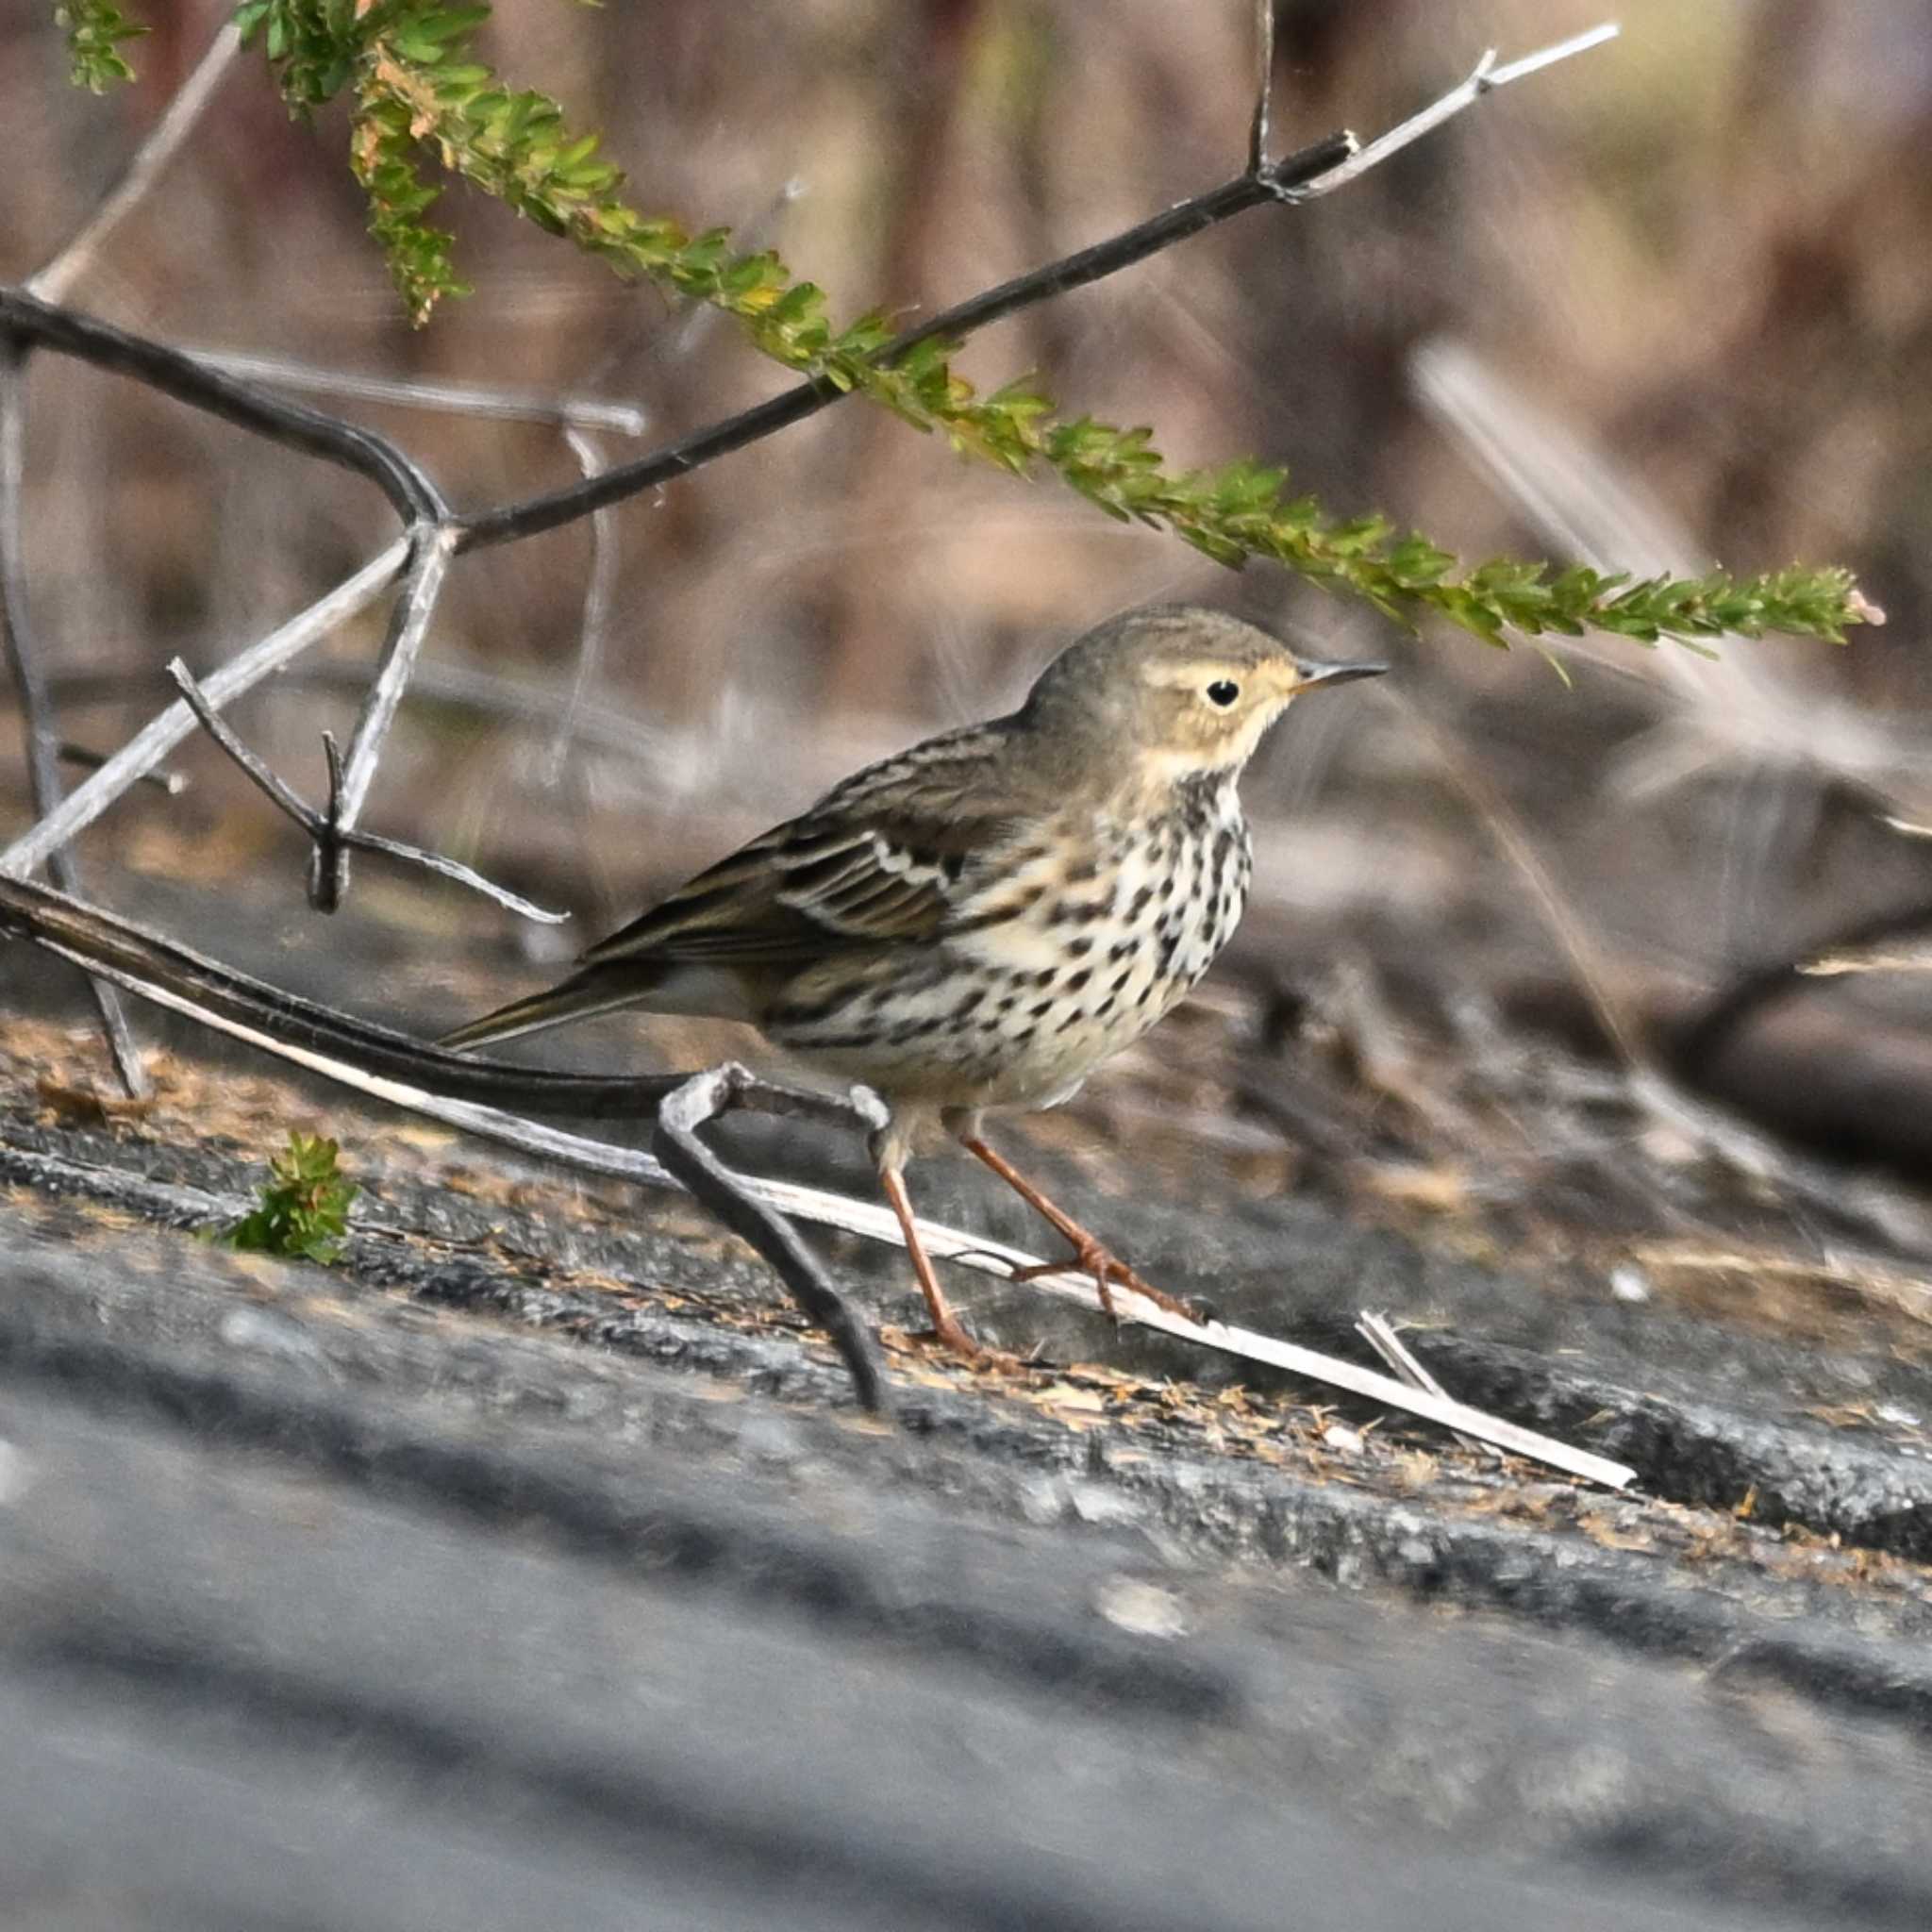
<point x="1092" y="1257"/>
<point x="951" y="1334"/>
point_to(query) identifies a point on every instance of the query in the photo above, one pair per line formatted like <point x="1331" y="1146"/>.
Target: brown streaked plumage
<point x="975" y="923"/>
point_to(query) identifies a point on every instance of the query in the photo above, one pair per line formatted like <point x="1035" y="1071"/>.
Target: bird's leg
<point x="945" y="1324"/>
<point x="1091" y="1256"/>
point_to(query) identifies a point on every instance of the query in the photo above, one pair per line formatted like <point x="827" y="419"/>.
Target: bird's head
<point x="1176" y="690"/>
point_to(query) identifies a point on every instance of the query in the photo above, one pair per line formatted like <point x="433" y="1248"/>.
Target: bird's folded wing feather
<point x="880" y="860"/>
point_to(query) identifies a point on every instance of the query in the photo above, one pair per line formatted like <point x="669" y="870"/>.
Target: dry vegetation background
<point x="1667" y="304"/>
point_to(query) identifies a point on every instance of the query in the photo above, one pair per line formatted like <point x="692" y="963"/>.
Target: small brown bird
<point x="976" y="924"/>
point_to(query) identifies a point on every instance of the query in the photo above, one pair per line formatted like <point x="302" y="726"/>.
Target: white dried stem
<point x="1486" y="77"/>
<point x="431" y="548"/>
<point x="600" y="592"/>
<point x="1379" y="1332"/>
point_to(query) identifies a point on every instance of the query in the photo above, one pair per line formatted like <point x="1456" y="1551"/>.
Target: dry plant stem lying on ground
<point x="351" y="1052"/>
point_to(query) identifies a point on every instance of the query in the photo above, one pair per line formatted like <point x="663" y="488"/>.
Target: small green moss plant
<point x="420" y="99"/>
<point x="303" y="1210"/>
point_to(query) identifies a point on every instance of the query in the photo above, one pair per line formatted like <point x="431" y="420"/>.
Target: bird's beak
<point x="1308" y="672"/>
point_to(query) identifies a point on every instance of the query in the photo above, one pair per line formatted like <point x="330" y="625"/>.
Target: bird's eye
<point x="1223" y="692"/>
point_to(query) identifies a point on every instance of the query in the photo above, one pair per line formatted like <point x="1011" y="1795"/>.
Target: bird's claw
<point x="1092" y="1258"/>
<point x="952" y="1336"/>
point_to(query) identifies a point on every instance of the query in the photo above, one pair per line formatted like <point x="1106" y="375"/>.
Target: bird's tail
<point x="576" y="998"/>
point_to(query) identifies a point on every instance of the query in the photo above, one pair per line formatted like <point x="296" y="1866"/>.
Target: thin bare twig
<point x="1379" y="1332"/>
<point x="599" y="593"/>
<point x="421" y="1079"/>
<point x="688" y="1162"/>
<point x="37" y="716"/>
<point x="431" y="547"/>
<point x="1484" y="78"/>
<point x="150" y="162"/>
<point x="151" y="744"/>
<point x="172" y="783"/>
<point x="39" y="324"/>
<point x="1259" y="132"/>
<point x="455" y="398"/>
<point x="325" y="829"/>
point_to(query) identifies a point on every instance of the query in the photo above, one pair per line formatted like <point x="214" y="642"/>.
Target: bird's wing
<point x="879" y="860"/>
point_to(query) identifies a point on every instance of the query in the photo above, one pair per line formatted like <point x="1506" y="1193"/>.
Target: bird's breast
<point x="1059" y="950"/>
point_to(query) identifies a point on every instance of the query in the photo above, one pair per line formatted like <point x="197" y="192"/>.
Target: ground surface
<point x="532" y="1566"/>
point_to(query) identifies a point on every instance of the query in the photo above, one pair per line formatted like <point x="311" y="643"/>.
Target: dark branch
<point x="93" y="936"/>
<point x="703" y="1097"/>
<point x="29" y="321"/>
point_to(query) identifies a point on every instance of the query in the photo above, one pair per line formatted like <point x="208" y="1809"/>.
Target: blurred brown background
<point x="1667" y="304"/>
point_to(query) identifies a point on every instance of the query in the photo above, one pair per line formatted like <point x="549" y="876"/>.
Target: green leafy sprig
<point x="303" y="1204"/>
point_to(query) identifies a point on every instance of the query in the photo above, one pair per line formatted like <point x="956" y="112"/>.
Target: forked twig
<point x="1484" y="79"/>
<point x="325" y="828"/>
